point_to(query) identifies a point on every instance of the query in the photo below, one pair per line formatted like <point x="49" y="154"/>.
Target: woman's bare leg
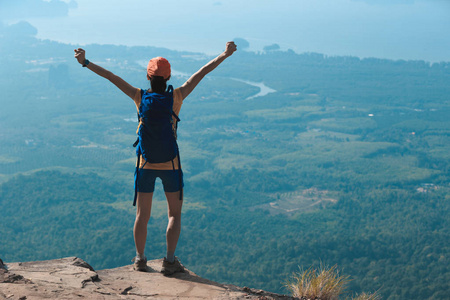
<point x="174" y="205"/>
<point x="143" y="211"/>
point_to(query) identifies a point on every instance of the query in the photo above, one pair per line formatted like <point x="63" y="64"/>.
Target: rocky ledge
<point x="73" y="278"/>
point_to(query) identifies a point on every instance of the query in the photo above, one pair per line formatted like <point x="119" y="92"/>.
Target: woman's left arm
<point x="192" y="82"/>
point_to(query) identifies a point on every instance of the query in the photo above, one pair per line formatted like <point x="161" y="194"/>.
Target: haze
<point x="402" y="29"/>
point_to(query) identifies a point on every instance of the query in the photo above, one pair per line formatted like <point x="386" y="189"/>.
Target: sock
<point x="140" y="256"/>
<point x="170" y="257"/>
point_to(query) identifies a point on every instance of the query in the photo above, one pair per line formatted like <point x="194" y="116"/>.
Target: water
<point x="263" y="89"/>
<point x="400" y="29"/>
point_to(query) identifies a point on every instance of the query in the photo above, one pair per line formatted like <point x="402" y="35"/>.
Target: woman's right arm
<point x="124" y="86"/>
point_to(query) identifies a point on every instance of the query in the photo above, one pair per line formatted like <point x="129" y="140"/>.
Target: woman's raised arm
<point x="124" y="86"/>
<point x="192" y="82"/>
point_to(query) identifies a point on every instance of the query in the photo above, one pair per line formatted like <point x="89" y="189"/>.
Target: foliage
<point x="346" y="163"/>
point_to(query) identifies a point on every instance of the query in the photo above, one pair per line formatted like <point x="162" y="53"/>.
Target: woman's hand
<point x="231" y="47"/>
<point x="80" y="55"/>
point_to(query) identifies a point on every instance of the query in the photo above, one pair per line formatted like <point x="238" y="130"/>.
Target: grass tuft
<point x="365" y="296"/>
<point x="322" y="284"/>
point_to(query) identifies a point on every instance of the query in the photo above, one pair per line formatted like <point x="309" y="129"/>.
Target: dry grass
<point x="365" y="296"/>
<point x="322" y="284"/>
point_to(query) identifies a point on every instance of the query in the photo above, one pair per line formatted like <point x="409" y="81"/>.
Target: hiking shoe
<point x="171" y="268"/>
<point x="140" y="264"/>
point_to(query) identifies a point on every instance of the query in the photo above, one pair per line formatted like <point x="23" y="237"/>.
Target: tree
<point x="273" y="47"/>
<point x="241" y="43"/>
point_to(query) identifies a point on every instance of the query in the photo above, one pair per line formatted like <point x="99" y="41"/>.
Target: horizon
<point x="402" y="30"/>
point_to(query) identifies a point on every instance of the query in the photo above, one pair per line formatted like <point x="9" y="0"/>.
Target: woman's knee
<point x="175" y="220"/>
<point x="142" y="217"/>
<point x="144" y="207"/>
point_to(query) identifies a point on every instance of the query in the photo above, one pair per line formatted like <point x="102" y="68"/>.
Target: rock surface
<point x="73" y="278"/>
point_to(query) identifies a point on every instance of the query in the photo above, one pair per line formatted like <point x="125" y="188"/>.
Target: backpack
<point x="156" y="140"/>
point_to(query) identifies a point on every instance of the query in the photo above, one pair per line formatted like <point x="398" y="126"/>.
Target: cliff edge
<point x="73" y="278"/>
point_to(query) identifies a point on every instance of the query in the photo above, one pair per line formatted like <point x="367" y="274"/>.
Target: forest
<point x="346" y="163"/>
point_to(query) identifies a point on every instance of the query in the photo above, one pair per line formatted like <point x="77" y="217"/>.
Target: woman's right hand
<point x="230" y="48"/>
<point x="80" y="55"/>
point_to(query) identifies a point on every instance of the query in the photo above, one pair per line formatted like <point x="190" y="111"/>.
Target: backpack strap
<point x="176" y="117"/>
<point x="138" y="162"/>
<point x="139" y="120"/>
<point x="180" y="174"/>
<point x="170" y="90"/>
<point x="142" y="94"/>
<point x="136" y="176"/>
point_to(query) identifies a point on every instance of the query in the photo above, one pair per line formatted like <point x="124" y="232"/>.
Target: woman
<point x="158" y="72"/>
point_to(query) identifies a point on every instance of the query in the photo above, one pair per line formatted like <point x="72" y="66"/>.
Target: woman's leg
<point x="174" y="205"/>
<point x="143" y="211"/>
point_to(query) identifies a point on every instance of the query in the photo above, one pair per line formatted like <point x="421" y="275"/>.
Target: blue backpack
<point x="156" y="140"/>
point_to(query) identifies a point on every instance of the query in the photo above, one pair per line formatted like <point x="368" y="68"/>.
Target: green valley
<point x="346" y="163"/>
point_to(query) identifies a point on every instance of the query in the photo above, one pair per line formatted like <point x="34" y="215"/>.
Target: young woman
<point x="158" y="73"/>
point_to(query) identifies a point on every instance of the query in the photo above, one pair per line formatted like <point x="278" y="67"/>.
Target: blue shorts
<point x="170" y="180"/>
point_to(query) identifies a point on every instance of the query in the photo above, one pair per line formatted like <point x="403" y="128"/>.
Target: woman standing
<point x="158" y="73"/>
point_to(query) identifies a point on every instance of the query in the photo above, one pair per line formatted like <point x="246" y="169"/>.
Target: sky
<point x="394" y="29"/>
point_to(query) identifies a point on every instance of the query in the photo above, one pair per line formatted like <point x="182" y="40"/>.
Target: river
<point x="263" y="89"/>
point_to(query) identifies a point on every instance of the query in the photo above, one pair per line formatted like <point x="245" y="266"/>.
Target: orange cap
<point x="158" y="66"/>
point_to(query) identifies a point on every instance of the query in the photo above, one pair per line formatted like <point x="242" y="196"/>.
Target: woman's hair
<point x="158" y="84"/>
